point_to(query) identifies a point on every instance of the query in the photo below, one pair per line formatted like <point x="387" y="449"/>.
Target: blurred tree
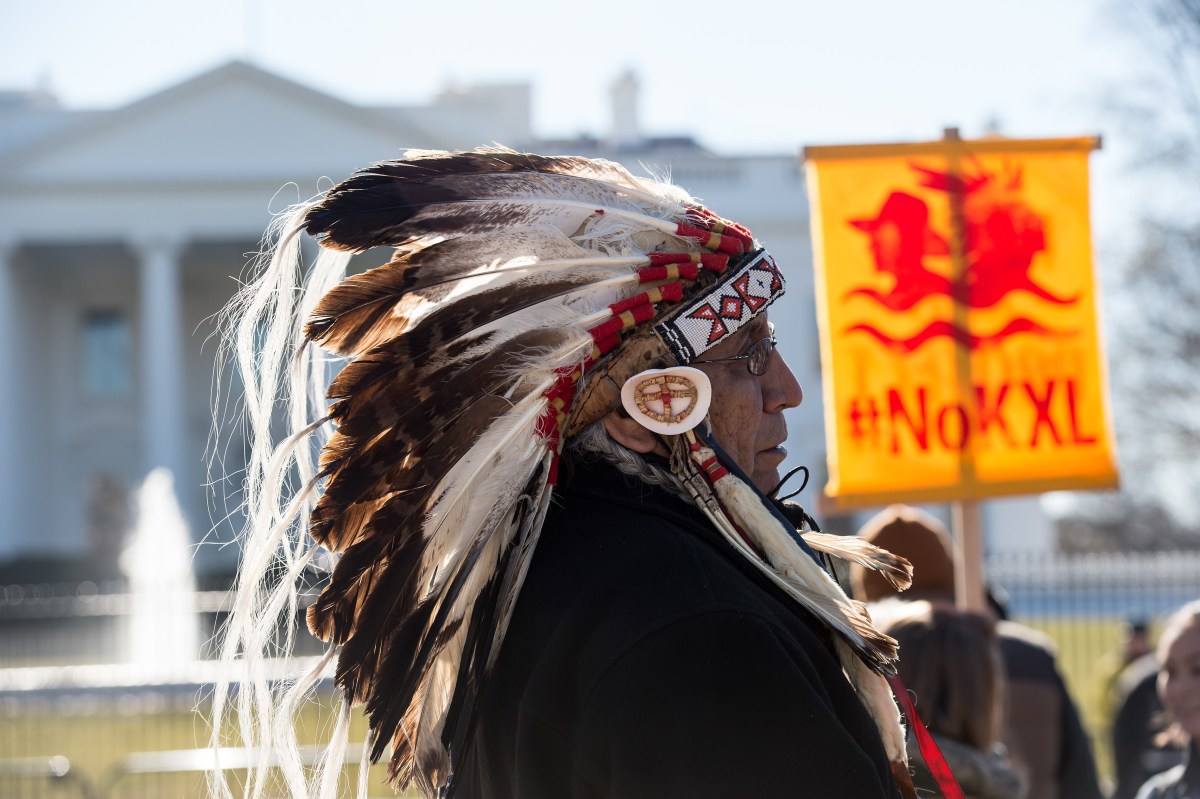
<point x="1153" y="298"/>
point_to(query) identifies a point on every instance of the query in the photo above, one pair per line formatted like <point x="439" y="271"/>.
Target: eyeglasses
<point x="757" y="356"/>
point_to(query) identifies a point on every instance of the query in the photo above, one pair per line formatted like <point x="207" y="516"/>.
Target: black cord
<point x="774" y="491"/>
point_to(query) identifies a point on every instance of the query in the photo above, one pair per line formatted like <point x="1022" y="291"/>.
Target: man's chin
<point x="765" y="479"/>
<point x="766" y="468"/>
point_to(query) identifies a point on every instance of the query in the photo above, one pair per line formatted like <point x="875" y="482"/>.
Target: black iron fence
<point x="80" y="718"/>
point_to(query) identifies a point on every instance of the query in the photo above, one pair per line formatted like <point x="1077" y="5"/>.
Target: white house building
<point x="122" y="233"/>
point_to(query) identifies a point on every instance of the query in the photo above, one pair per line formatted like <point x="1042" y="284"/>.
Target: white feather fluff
<point x="876" y="696"/>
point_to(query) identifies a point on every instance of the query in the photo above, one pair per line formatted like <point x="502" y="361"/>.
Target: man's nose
<point x="781" y="389"/>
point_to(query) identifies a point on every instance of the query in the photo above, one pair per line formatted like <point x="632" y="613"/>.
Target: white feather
<point x="876" y="696"/>
<point x="556" y="187"/>
<point x="491" y="450"/>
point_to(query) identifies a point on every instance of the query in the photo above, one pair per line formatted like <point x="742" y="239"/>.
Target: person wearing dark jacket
<point x="1179" y="688"/>
<point x="1041" y="730"/>
<point x="1042" y="727"/>
<point x="645" y="660"/>
<point x="950" y="661"/>
<point x="1138" y="749"/>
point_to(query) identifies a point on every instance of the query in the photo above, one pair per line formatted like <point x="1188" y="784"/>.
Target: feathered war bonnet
<point x="525" y="292"/>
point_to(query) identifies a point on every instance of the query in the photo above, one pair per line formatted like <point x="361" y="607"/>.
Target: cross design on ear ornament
<point x="669" y="388"/>
<point x="668" y="401"/>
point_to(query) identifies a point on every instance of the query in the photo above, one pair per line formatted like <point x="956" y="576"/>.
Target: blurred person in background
<point x="1137" y="640"/>
<point x="950" y="662"/>
<point x="1040" y="727"/>
<point x="1133" y="643"/>
<point x="1138" y="749"/>
<point x="1179" y="690"/>
<point x="1114" y="670"/>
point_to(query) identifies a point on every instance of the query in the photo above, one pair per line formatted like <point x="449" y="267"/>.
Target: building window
<point x="107" y="354"/>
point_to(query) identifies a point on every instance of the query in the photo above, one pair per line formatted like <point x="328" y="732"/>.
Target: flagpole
<point x="965" y="513"/>
<point x="966" y="517"/>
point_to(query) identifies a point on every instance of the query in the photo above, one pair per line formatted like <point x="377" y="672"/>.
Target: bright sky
<point x="743" y="76"/>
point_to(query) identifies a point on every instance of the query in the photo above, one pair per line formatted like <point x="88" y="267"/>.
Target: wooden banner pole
<point x="968" y="528"/>
<point x="966" y="517"/>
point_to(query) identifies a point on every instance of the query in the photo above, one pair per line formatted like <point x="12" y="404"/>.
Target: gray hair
<point x="594" y="442"/>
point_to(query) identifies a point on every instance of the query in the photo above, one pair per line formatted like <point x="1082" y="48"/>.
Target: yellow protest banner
<point x="957" y="308"/>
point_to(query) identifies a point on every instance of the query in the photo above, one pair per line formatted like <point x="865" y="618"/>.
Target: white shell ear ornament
<point x="668" y="401"/>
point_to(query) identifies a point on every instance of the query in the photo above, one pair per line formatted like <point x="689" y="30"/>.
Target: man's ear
<point x="625" y="430"/>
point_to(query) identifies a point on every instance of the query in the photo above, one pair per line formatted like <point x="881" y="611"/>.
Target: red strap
<point x="929" y="748"/>
<point x="731" y="245"/>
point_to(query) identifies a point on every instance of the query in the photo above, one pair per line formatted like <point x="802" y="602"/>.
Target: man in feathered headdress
<point x="546" y="469"/>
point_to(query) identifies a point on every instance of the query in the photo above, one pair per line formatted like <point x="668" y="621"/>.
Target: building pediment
<point x="234" y="124"/>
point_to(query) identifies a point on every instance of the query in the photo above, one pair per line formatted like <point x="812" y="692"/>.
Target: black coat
<point x="1181" y="782"/>
<point x="646" y="659"/>
<point x="1042" y="729"/>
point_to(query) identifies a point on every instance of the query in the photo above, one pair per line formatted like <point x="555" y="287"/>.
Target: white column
<point x="162" y="368"/>
<point x="12" y="523"/>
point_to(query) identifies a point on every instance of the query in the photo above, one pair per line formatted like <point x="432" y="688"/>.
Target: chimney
<point x="624" y="96"/>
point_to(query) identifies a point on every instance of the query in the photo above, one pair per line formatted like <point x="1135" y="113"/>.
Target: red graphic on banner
<point x="941" y="327"/>
<point x="901" y="239"/>
<point x="1001" y="237"/>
